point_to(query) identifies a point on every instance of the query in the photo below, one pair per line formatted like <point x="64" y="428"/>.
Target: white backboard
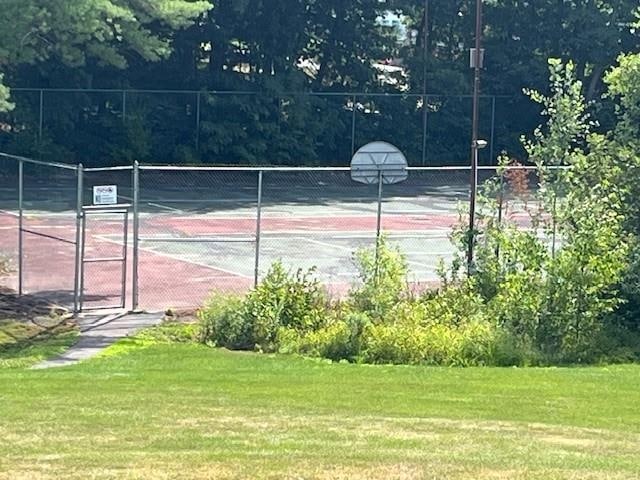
<point x="379" y="159"/>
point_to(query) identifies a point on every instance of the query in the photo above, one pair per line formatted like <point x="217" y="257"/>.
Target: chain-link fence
<point x="255" y="128"/>
<point x="9" y="222"/>
<point x="173" y="235"/>
<point x="49" y="233"/>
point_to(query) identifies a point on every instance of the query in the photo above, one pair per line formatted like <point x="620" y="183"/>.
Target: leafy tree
<point x="624" y="87"/>
<point x="108" y="31"/>
<point x="558" y="299"/>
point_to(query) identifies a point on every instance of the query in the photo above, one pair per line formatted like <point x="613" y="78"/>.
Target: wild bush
<point x="294" y="301"/>
<point x="474" y="343"/>
<point x="224" y="323"/>
<point x="383" y="279"/>
<point x="338" y="340"/>
<point x="283" y="299"/>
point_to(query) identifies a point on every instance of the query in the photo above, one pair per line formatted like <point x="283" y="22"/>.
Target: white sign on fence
<point x="105" y="195"/>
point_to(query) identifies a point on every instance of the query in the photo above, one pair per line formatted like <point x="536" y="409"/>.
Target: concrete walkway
<point x="98" y="332"/>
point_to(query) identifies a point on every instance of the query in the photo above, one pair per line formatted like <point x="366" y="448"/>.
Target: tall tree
<point x="522" y="35"/>
<point x="72" y="31"/>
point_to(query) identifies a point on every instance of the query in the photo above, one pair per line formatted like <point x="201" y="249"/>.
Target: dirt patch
<point x="28" y="308"/>
<point x="185" y="315"/>
<point x="26" y="320"/>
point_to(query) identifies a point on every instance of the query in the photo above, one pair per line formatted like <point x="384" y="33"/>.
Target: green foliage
<point x="276" y="48"/>
<point x="223" y="323"/>
<point x="473" y="343"/>
<point x="562" y="291"/>
<point x="446" y="327"/>
<point x="383" y="277"/>
<point x="296" y="301"/>
<point x="293" y="301"/>
<point x="90" y="30"/>
<point x="554" y="287"/>
<point x="623" y="83"/>
<point x="5" y="104"/>
<point x="338" y="340"/>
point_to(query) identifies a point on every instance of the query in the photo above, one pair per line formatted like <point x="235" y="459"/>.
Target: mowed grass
<point x="185" y="411"/>
<point x="23" y="344"/>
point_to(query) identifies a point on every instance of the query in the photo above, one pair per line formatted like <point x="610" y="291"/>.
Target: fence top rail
<point x="18" y="158"/>
<point x="242" y="169"/>
<point x="523" y="167"/>
<point x="109" y="169"/>
<point x="244" y="92"/>
<point x="220" y="168"/>
<point x="232" y="168"/>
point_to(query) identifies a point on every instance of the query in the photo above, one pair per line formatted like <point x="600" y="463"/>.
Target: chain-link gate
<point x="103" y="266"/>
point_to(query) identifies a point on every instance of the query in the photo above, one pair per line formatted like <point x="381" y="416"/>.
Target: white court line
<point x="171" y="209"/>
<point x="394" y="234"/>
<point x="220" y="277"/>
<point x="350" y="249"/>
<point x="355" y="235"/>
<point x="157" y="205"/>
<point x="10" y="213"/>
<point x="173" y="257"/>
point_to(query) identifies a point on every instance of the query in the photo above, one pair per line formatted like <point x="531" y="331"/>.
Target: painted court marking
<point x="176" y="258"/>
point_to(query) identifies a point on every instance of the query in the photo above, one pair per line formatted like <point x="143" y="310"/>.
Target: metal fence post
<point x="378" y="223"/>
<point x="425" y="99"/>
<point x="136" y="236"/>
<point x="79" y="242"/>
<point x="493" y="130"/>
<point x="258" y="231"/>
<point x="198" y="121"/>
<point x="41" y="117"/>
<point x="353" y="125"/>
<point x="20" y="227"/>
<point x="124" y="106"/>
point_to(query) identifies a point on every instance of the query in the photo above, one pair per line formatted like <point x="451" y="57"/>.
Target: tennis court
<point x="204" y="230"/>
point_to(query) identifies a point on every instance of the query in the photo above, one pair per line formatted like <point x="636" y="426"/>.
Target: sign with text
<point x="105" y="195"/>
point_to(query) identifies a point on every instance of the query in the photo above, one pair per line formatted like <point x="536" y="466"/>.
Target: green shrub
<point x="296" y="301"/>
<point x="223" y="323"/>
<point x="454" y="305"/>
<point x="475" y="343"/>
<point x="393" y="343"/>
<point x="383" y="280"/>
<point x="338" y="340"/>
<point x="281" y="300"/>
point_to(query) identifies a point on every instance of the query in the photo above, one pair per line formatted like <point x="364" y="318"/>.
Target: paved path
<point x="98" y="332"/>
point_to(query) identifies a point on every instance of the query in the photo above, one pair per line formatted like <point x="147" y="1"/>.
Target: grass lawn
<point x="148" y="410"/>
<point x="23" y="344"/>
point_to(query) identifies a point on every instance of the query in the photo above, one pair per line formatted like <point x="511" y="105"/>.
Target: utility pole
<point x="425" y="46"/>
<point x="476" y="61"/>
<point x="425" y="57"/>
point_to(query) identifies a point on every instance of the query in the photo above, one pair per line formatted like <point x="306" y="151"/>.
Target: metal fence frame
<point x="136" y="169"/>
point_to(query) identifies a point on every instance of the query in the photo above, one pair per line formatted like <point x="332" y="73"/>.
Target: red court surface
<point x="192" y="226"/>
<point x="183" y="274"/>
